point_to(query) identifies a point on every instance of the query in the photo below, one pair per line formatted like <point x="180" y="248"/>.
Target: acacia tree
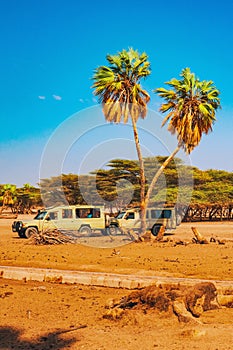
<point x="8" y="197"/>
<point x="120" y="92"/>
<point x="191" y="105"/>
<point x="27" y="197"/>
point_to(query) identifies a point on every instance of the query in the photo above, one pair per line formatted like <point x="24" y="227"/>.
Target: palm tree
<point x="191" y="105"/>
<point x="120" y="92"/>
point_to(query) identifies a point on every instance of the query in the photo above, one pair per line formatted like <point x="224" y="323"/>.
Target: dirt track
<point x="212" y="261"/>
<point x="38" y="308"/>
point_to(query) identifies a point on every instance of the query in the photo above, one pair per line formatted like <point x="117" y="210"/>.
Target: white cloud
<point x="57" y="97"/>
<point x="41" y="97"/>
<point x="81" y="100"/>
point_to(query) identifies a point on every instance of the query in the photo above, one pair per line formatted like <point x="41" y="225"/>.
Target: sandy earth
<point x="39" y="315"/>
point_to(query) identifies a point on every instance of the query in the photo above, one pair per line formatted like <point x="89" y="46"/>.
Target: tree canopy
<point x="209" y="186"/>
<point x="191" y="105"/>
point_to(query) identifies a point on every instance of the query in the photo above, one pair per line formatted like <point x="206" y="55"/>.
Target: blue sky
<point x="50" y="48"/>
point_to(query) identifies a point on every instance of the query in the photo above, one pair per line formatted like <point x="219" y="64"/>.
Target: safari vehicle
<point x="81" y="219"/>
<point x="155" y="218"/>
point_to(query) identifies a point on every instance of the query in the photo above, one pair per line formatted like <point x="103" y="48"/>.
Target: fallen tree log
<point x="187" y="303"/>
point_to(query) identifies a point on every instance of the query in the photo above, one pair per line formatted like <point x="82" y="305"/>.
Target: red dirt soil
<point x="39" y="315"/>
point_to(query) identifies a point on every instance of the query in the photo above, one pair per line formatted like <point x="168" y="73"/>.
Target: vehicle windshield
<point x="40" y="216"/>
<point x="120" y="215"/>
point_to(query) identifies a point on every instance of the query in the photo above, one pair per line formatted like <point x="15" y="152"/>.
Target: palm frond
<point x="192" y="106"/>
<point x="119" y="83"/>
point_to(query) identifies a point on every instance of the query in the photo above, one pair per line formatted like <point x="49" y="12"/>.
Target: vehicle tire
<point x="21" y="234"/>
<point x="85" y="230"/>
<point x="30" y="231"/>
<point x="155" y="230"/>
<point x="105" y="232"/>
<point x="113" y="230"/>
<point x="18" y="226"/>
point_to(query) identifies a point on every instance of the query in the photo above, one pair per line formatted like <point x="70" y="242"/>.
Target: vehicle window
<point x="96" y="213"/>
<point x="130" y="215"/>
<point x="120" y="215"/>
<point x="53" y="215"/>
<point x="80" y="213"/>
<point x="156" y="214"/>
<point x="167" y="214"/>
<point x="84" y="213"/>
<point x="161" y="214"/>
<point x="67" y="213"/>
<point x="40" y="215"/>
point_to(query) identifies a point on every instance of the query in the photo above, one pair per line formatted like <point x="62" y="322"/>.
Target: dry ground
<point x="34" y="314"/>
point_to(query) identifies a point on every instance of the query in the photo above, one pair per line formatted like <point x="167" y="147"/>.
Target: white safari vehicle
<point x="82" y="219"/>
<point x="155" y="218"/>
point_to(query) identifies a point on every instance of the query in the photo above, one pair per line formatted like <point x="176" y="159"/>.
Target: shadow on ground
<point x="11" y="338"/>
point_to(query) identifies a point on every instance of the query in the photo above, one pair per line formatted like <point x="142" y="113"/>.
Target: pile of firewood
<point x="49" y="237"/>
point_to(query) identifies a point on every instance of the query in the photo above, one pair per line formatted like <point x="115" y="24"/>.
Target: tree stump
<point x="160" y="234"/>
<point x="198" y="236"/>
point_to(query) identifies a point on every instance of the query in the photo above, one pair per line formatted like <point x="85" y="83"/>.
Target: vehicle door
<point x="67" y="221"/>
<point x="131" y="220"/>
<point x="169" y="215"/>
<point x="51" y="220"/>
<point x="156" y="217"/>
<point x="92" y="217"/>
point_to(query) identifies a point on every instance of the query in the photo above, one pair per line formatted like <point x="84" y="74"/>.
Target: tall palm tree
<point x="191" y="105"/>
<point x="122" y="96"/>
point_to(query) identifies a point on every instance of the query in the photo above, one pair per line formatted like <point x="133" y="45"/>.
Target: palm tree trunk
<point x="142" y="177"/>
<point x="157" y="175"/>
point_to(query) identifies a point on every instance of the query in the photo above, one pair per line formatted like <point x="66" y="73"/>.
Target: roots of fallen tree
<point x="187" y="303"/>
